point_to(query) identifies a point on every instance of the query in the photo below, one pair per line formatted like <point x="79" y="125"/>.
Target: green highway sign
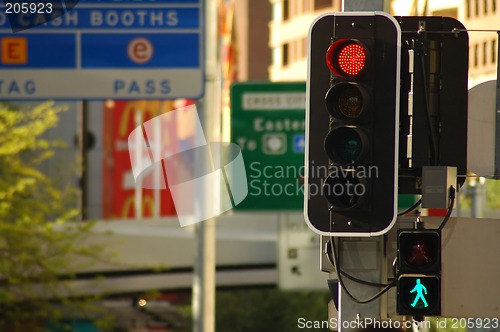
<point x="268" y="123"/>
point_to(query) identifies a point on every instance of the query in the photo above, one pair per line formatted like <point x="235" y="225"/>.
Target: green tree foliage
<point x="493" y="194"/>
<point x="39" y="238"/>
<point x="268" y="310"/>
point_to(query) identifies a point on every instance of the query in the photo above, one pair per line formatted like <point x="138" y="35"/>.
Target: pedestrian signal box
<point x="419" y="272"/>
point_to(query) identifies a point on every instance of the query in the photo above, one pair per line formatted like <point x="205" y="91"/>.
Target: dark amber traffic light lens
<point x="345" y="145"/>
<point x="346" y="58"/>
<point x="346" y="100"/>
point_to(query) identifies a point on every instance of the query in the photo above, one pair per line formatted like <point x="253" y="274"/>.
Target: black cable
<point x="411" y="208"/>
<point x="350" y="277"/>
<point x="433" y="139"/>
<point x="339" y="275"/>
<point x="450" y="208"/>
<point x="394" y="267"/>
<point x="362" y="282"/>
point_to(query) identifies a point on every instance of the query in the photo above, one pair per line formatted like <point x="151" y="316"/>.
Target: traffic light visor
<point x="346" y="58"/>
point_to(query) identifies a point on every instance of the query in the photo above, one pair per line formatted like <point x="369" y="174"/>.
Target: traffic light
<point x="352" y="124"/>
<point x="419" y="272"/>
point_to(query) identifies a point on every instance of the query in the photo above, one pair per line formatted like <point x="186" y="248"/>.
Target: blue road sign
<point x="99" y="17"/>
<point x="106" y="49"/>
<point x="100" y="51"/>
<point x="41" y="50"/>
<point x="299" y="143"/>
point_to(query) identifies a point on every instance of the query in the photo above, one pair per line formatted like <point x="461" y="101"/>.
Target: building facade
<point x="483" y="45"/>
<point x="289" y="30"/>
<point x="291" y="20"/>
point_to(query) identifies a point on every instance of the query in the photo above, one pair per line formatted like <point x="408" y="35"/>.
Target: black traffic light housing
<point x="352" y="124"/>
<point x="419" y="272"/>
<point x="434" y="128"/>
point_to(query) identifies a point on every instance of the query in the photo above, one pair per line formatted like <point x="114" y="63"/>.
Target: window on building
<point x="476" y="50"/>
<point x="494" y="51"/>
<point x="285" y="55"/>
<point x="476" y="7"/>
<point x="286" y="10"/>
<point x="447" y="12"/>
<point x="277" y="12"/>
<point x="297" y="8"/>
<point x="304" y="48"/>
<point x="292" y="52"/>
<point x="321" y="4"/>
<point x="276" y="54"/>
<point x="467" y="8"/>
<point x="298" y="50"/>
<point x="485" y="53"/>
<point x="292" y="8"/>
<point x="485" y="6"/>
<point x="493" y="5"/>
<point x="306" y="6"/>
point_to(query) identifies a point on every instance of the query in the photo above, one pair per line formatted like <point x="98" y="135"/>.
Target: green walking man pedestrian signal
<point x="421" y="290"/>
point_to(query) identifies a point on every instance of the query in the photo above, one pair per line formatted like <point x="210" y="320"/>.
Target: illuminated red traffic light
<point x="346" y="58"/>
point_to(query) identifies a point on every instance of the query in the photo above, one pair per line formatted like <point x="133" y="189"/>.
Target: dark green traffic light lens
<point x="345" y="145"/>
<point x="347" y="101"/>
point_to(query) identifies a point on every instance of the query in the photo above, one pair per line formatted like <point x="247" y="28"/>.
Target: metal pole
<point x="373" y="263"/>
<point x="138" y="155"/>
<point x="478" y="197"/>
<point x="364" y="5"/>
<point x="158" y="176"/>
<point x="497" y="130"/>
<point x="204" y="272"/>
